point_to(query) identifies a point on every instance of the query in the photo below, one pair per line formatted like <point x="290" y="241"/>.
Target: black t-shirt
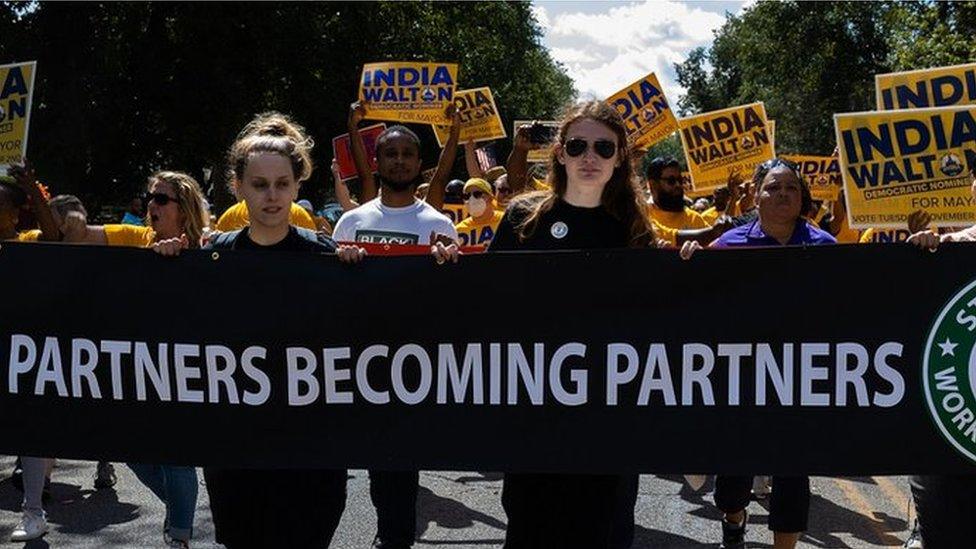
<point x="564" y="227"/>
<point x="298" y="240"/>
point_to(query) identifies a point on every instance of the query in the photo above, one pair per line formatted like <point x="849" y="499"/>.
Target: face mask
<point x="476" y="206"/>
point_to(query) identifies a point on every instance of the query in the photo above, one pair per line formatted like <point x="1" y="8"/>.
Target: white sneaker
<point x="31" y="526"/>
<point x="760" y="487"/>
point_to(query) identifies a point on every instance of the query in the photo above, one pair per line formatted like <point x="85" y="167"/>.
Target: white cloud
<point x="607" y="50"/>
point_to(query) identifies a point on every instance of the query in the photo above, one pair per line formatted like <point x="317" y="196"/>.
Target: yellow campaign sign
<point x="720" y="142"/>
<point x="925" y="88"/>
<point x="646" y="112"/>
<point x="772" y="135"/>
<point x="16" y="96"/>
<point x="480" y="120"/>
<point x="408" y="91"/>
<point x="822" y="174"/>
<point x="896" y="162"/>
<point x="537" y="155"/>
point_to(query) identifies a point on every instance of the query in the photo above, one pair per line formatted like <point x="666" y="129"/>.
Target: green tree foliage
<point x="804" y="60"/>
<point x="123" y="89"/>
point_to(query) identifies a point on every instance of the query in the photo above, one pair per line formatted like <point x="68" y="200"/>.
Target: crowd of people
<point x="597" y="193"/>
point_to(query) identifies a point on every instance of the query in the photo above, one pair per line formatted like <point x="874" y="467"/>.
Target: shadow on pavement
<point x="449" y="513"/>
<point x="74" y="510"/>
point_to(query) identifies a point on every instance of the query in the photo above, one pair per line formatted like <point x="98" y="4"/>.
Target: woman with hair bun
<point x="255" y="508"/>
<point x="267" y="124"/>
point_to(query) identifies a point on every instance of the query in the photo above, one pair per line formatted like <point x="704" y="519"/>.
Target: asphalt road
<point x="464" y="510"/>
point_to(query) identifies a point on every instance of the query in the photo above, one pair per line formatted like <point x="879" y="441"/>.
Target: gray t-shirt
<point x="375" y="223"/>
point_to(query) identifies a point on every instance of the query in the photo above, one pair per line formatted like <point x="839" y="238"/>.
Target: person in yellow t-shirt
<point x="720" y="199"/>
<point x="663" y="176"/>
<point x="16" y="190"/>
<point x="236" y="217"/>
<point x="177" y="208"/>
<point x="479" y="228"/>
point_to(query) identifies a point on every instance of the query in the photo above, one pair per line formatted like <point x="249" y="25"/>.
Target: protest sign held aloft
<point x="772" y="135"/>
<point x="822" y="174"/>
<point x="896" y="162"/>
<point x="480" y="120"/>
<point x="342" y="150"/>
<point x="408" y="91"/>
<point x="720" y="142"/>
<point x="16" y="96"/>
<point x="545" y="137"/>
<point x="646" y="112"/>
<point x="935" y="87"/>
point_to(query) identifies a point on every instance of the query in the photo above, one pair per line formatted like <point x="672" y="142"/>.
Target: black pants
<point x="568" y="511"/>
<point x="946" y="508"/>
<point x="789" y="504"/>
<point x="394" y="495"/>
<point x="255" y="509"/>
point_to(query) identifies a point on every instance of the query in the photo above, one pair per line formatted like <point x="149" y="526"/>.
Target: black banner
<point x="831" y="360"/>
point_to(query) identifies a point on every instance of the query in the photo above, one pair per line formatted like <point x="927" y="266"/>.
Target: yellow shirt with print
<point x="665" y="233"/>
<point x="683" y="220"/>
<point x="236" y="217"/>
<point x="33" y="235"/>
<point x="129" y="235"/>
<point x="473" y="233"/>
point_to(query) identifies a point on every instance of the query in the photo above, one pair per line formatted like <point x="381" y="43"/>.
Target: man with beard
<point x="663" y="176"/>
<point x="397" y="216"/>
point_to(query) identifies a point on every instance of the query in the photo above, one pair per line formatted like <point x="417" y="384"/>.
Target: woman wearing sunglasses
<point x="782" y="197"/>
<point x="479" y="228"/>
<point x="593" y="203"/>
<point x="176" y="208"/>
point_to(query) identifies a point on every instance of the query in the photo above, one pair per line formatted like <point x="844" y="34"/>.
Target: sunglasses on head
<point x="476" y="194"/>
<point x="603" y="147"/>
<point x="161" y="199"/>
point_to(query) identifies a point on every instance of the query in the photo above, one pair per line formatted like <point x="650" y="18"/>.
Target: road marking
<point x="895" y="494"/>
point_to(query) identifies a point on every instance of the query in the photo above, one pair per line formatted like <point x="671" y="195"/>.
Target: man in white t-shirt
<point x="397" y="217"/>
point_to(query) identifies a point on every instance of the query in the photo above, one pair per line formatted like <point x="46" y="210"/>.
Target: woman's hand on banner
<point x="443" y="248"/>
<point x="171" y="246"/>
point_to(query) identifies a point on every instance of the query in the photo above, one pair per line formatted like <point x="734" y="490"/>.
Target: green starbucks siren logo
<point x="949" y="371"/>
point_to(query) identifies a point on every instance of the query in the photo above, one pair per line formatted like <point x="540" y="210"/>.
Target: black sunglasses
<point x="161" y="199"/>
<point x="603" y="147"/>
<point x="672" y="180"/>
<point x="476" y="194"/>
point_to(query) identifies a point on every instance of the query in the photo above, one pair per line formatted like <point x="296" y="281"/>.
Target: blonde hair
<point x="276" y="133"/>
<point x="189" y="199"/>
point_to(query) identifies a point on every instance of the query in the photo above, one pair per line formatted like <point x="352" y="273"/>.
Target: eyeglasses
<point x="768" y="165"/>
<point x="603" y="147"/>
<point x="476" y="194"/>
<point x="161" y="199"/>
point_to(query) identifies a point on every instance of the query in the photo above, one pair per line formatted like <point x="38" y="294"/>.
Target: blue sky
<point x="606" y="46"/>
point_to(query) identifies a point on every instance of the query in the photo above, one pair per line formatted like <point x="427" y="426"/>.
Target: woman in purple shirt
<point x="781" y="196"/>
